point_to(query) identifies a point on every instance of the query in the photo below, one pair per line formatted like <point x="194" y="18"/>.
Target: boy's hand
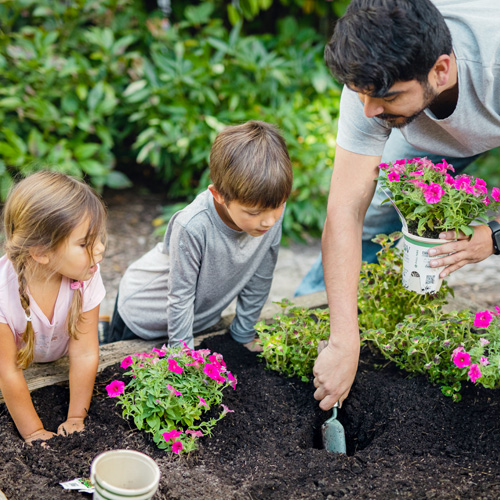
<point x="40" y="434"/>
<point x="73" y="424"/>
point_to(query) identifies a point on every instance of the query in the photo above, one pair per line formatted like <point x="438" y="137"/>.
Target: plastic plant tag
<point x="401" y="217"/>
<point x="80" y="484"/>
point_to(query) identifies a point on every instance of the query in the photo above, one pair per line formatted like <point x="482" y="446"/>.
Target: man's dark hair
<point x="380" y="42"/>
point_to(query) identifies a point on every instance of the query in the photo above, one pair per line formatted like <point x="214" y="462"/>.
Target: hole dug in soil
<point x="405" y="440"/>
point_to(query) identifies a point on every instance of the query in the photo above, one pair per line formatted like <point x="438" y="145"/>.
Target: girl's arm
<point x="15" y="391"/>
<point x="83" y="362"/>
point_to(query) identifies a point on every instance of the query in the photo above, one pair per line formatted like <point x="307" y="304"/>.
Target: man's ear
<point x="217" y="196"/>
<point x="38" y="255"/>
<point x="441" y="70"/>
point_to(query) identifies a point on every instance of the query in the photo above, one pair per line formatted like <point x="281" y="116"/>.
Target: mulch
<point x="404" y="438"/>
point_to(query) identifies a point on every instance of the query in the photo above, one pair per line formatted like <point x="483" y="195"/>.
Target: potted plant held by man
<point x="430" y="200"/>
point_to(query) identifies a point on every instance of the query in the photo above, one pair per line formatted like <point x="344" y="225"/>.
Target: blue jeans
<point x="379" y="219"/>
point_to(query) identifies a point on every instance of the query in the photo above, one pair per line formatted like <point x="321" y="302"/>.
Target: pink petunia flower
<point x="433" y="193"/>
<point x="495" y="194"/>
<point x="174" y="367"/>
<point x="484" y="361"/>
<point x="449" y="180"/>
<point x="232" y="380"/>
<point x="462" y="359"/>
<point x="173" y="434"/>
<point x="115" y="388"/>
<point x="480" y="186"/>
<point x="195" y="433"/>
<point x="225" y="410"/>
<point x="173" y="391"/>
<point x="482" y="319"/>
<point x="483" y="341"/>
<point x="160" y="352"/>
<point x="383" y="166"/>
<point x="393" y="176"/>
<point x="202" y="402"/>
<point x="126" y="362"/>
<point x="496" y="312"/>
<point x="486" y="200"/>
<point x="211" y="371"/>
<point x="177" y="447"/>
<point x="474" y="373"/>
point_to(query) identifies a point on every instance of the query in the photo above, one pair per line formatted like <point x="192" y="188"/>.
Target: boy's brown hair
<point x="249" y="163"/>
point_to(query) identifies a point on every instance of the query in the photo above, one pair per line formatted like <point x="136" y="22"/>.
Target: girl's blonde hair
<point x="41" y="211"/>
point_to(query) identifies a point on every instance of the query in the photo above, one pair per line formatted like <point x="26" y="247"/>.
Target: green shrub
<point x="290" y="343"/>
<point x="63" y="66"/>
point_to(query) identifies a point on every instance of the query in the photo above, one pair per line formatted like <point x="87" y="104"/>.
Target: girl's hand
<point x="40" y="434"/>
<point x="73" y="424"/>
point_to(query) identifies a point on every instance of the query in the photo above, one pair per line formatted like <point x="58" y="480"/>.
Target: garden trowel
<point x="333" y="433"/>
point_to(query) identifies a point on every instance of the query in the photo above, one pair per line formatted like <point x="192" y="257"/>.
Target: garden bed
<point x="404" y="438"/>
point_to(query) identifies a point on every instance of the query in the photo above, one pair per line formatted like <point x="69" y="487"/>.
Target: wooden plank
<point x="39" y="375"/>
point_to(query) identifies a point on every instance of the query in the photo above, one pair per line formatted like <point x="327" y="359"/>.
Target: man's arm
<point x="351" y="191"/>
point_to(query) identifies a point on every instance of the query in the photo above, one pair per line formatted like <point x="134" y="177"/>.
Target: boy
<point x="223" y="245"/>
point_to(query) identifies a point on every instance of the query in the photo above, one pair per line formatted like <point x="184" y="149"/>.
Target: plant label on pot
<point x="418" y="275"/>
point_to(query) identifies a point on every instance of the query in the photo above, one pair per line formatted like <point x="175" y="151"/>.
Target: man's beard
<point x="430" y="95"/>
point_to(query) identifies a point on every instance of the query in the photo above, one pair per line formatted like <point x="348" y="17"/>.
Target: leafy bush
<point x="85" y="81"/>
<point x="290" y="343"/>
<point x="194" y="86"/>
<point x="169" y="392"/>
<point x="61" y="76"/>
<point x="447" y="347"/>
<point x="382" y="300"/>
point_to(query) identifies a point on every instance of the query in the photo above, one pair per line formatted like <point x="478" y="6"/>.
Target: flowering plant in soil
<point x="449" y="348"/>
<point x="170" y="390"/>
<point x="382" y="300"/>
<point x="432" y="200"/>
<point x="290" y="343"/>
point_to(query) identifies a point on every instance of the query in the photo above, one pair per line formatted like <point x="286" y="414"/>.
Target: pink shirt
<point x="51" y="338"/>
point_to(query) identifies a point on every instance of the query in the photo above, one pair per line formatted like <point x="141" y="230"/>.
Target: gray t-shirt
<point x="474" y="125"/>
<point x="183" y="284"/>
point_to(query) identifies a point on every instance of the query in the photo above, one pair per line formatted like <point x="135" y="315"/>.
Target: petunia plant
<point x="450" y="348"/>
<point x="170" y="391"/>
<point x="433" y="200"/>
<point x="290" y="342"/>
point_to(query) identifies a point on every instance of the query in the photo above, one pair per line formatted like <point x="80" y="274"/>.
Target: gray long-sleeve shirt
<point x="183" y="284"/>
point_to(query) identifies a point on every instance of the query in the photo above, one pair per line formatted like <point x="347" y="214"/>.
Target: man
<point x="420" y="78"/>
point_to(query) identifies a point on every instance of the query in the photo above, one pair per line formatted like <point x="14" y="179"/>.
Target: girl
<point x="50" y="291"/>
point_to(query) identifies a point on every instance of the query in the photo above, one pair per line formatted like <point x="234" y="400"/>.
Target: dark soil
<point x="405" y="440"/>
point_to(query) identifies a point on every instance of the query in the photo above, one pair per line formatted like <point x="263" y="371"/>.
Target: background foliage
<point x="96" y="88"/>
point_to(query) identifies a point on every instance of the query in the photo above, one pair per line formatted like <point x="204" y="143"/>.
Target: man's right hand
<point x="334" y="372"/>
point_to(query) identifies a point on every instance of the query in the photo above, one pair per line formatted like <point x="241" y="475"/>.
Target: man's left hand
<point x="463" y="251"/>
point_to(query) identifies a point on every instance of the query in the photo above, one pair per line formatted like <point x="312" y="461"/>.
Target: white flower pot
<point x="124" y="475"/>
<point x="418" y="275"/>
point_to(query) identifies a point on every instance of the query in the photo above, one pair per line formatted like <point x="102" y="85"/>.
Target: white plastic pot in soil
<point x="418" y="275"/>
<point x="124" y="475"/>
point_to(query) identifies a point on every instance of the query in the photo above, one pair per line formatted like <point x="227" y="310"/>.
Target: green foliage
<point x="59" y="87"/>
<point x="428" y="342"/>
<point x="290" y="343"/>
<point x="191" y="88"/>
<point x="169" y="392"/>
<point x="382" y="300"/>
<point x="84" y="81"/>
